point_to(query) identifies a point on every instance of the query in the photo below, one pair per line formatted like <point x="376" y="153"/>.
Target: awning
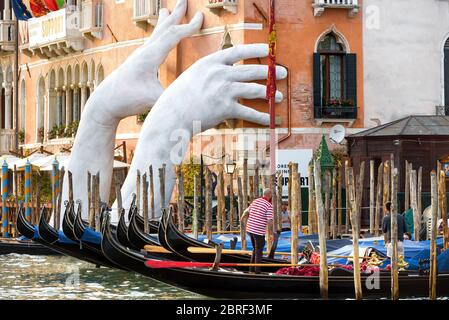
<point x="64" y="163"/>
<point x="20" y="164"/>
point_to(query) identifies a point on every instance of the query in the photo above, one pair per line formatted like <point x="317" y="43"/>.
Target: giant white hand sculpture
<point x="208" y="92"/>
<point x="130" y="90"/>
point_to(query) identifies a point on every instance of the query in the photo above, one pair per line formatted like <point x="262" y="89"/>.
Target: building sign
<point x="47" y="29"/>
<point x="300" y="156"/>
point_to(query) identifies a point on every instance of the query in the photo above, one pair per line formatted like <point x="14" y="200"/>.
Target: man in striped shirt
<point x="260" y="216"/>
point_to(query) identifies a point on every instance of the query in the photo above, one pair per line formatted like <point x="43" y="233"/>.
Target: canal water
<point x="60" y="277"/>
<point x="29" y="277"/>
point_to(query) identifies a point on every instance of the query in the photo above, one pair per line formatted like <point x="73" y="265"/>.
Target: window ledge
<point x="349" y="122"/>
<point x="320" y="5"/>
<point x="229" y="5"/>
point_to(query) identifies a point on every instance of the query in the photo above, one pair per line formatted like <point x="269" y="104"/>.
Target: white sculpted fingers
<point x="253" y="91"/>
<point x="163" y="14"/>
<point x="178" y="32"/>
<point x="240" y="52"/>
<point x="177" y="14"/>
<point x="249" y="114"/>
<point x="254" y="72"/>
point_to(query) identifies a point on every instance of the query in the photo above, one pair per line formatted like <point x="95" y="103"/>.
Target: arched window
<point x="40" y="132"/>
<point x="53" y="112"/>
<point x="22" y="106"/>
<point x="100" y="75"/>
<point x="335" y="79"/>
<point x="331" y="68"/>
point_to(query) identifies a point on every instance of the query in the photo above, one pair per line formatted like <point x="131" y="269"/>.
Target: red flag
<point x="271" y="86"/>
<point x="52" y="5"/>
<point x="271" y="83"/>
<point x="38" y="8"/>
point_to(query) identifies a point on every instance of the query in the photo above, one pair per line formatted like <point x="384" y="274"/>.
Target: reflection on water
<point x="60" y="277"/>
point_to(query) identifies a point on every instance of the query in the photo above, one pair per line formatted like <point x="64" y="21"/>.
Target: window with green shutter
<point x="335" y="80"/>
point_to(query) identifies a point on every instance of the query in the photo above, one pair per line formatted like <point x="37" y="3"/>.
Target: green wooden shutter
<point x="317" y="99"/>
<point x="351" y="77"/>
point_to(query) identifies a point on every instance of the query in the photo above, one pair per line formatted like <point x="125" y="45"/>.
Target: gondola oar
<point x="160" y="264"/>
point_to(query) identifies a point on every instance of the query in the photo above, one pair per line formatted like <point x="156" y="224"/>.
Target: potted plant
<point x="141" y="117"/>
<point x="41" y="133"/>
<point x="21" y="136"/>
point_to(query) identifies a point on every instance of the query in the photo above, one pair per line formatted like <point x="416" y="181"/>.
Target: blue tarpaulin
<point x="91" y="236"/>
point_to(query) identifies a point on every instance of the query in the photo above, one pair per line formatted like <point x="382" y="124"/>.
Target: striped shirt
<point x="260" y="212"/>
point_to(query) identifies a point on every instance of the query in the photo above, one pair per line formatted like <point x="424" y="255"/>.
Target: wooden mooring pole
<point x="354" y="213"/>
<point x="433" y="239"/>
<point x="443" y="205"/>
<point x="394" y="236"/>
<point x="241" y="210"/>
<point x="414" y="206"/>
<point x="196" y="186"/>
<point x="333" y="225"/>
<point x="180" y="180"/>
<point x="151" y="178"/>
<point x="379" y="206"/>
<point x="324" y="272"/>
<point x="208" y="207"/>
<point x="294" y="214"/>
<point x="146" y="228"/>
<point x="372" y="200"/>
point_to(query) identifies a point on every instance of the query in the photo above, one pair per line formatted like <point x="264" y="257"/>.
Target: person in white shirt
<point x="286" y="222"/>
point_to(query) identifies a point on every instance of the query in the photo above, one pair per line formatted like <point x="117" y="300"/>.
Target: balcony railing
<point x="350" y="5"/>
<point x="7" y="32"/>
<point x="229" y="5"/>
<point x="146" y="11"/>
<point x="7" y="140"/>
<point x="335" y="114"/>
<point x="92" y="19"/>
<point x="55" y="34"/>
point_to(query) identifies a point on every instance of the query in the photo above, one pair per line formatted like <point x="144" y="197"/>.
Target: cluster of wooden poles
<point x="325" y="216"/>
<point x="31" y="201"/>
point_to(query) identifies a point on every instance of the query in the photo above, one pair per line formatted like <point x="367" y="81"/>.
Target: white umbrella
<point x="48" y="161"/>
<point x="9" y="159"/>
<point x="22" y="162"/>
<point x="64" y="163"/>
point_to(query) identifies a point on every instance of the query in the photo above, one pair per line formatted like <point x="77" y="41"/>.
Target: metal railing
<point x="337" y="3"/>
<point x="335" y="112"/>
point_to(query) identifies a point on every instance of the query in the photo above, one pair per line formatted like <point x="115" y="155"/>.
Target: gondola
<point x="57" y="240"/>
<point x="125" y="257"/>
<point x="122" y="231"/>
<point x="153" y="225"/>
<point x="179" y="244"/>
<point x="136" y="235"/>
<point x="230" y="284"/>
<point x="90" y="240"/>
<point x="60" y="243"/>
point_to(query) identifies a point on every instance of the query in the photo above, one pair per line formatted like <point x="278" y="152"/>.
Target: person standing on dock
<point x="386" y="229"/>
<point x="286" y="221"/>
<point x="260" y="216"/>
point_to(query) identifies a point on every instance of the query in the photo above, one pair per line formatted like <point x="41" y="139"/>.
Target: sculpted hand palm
<point x="210" y="89"/>
<point x="134" y="87"/>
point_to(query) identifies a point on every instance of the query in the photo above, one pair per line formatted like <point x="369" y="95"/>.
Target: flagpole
<point x="271" y="87"/>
